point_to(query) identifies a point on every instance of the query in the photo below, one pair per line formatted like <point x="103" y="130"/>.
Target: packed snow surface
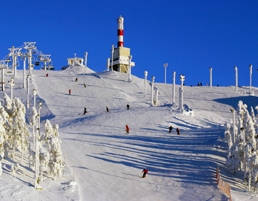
<point x="102" y="162"/>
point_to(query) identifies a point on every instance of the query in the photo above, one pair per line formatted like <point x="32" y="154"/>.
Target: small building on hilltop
<point x="76" y="61"/>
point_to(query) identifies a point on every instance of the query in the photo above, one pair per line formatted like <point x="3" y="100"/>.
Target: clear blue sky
<point x="189" y="35"/>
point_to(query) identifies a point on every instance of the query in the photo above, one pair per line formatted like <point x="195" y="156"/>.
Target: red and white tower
<point x="120" y="31"/>
<point x="121" y="59"/>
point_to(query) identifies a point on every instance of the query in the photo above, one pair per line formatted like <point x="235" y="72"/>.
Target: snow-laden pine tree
<point x="249" y="129"/>
<point x="233" y="161"/>
<point x="15" y="126"/>
<point x="241" y="109"/>
<point x="33" y="123"/>
<point x="255" y="124"/>
<point x="5" y="118"/>
<point x="43" y="162"/>
<point x="50" y="153"/>
<point x="4" y="114"/>
<point x="21" y="131"/>
<point x="245" y="147"/>
<point x="253" y="165"/>
<point x="228" y="134"/>
<point x="249" y="153"/>
<point x="7" y="103"/>
<point x="2" y="138"/>
<point x="52" y="143"/>
<point x="241" y="148"/>
<point x="253" y="115"/>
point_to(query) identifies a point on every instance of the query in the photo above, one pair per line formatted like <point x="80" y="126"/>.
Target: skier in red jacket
<point x="127" y="129"/>
<point x="145" y="171"/>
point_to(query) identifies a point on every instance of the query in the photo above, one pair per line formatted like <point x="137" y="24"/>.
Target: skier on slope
<point x="69" y="91"/>
<point x="127" y="129"/>
<point x="144" y="171"/>
<point x="170" y="129"/>
<point x="85" y="111"/>
<point x="178" y="131"/>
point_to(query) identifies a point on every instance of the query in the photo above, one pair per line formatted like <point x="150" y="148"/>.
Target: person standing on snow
<point x="107" y="109"/>
<point x="127" y="129"/>
<point x="170" y="129"/>
<point x="145" y="171"/>
<point x="177" y="131"/>
<point x="128" y="106"/>
<point x="69" y="91"/>
<point x="85" y="111"/>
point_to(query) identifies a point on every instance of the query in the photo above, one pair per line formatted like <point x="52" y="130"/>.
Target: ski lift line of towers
<point x="27" y="51"/>
<point x="15" y="53"/>
<point x="236" y="78"/>
<point x="154" y="101"/>
<point x="35" y="142"/>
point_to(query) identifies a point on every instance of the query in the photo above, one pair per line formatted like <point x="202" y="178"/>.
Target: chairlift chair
<point x="8" y="59"/>
<point x="37" y="63"/>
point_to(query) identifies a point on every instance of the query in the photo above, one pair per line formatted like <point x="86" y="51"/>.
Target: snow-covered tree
<point x="241" y="110"/>
<point x="253" y="166"/>
<point x="53" y="144"/>
<point x="14" y="135"/>
<point x="21" y="129"/>
<point x="17" y="133"/>
<point x="243" y="153"/>
<point x="43" y="161"/>
<point x="50" y="153"/>
<point x="233" y="161"/>
<point x="2" y="138"/>
<point x="249" y="129"/>
<point x="7" y="103"/>
<point x="253" y="115"/>
<point x="227" y="134"/>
